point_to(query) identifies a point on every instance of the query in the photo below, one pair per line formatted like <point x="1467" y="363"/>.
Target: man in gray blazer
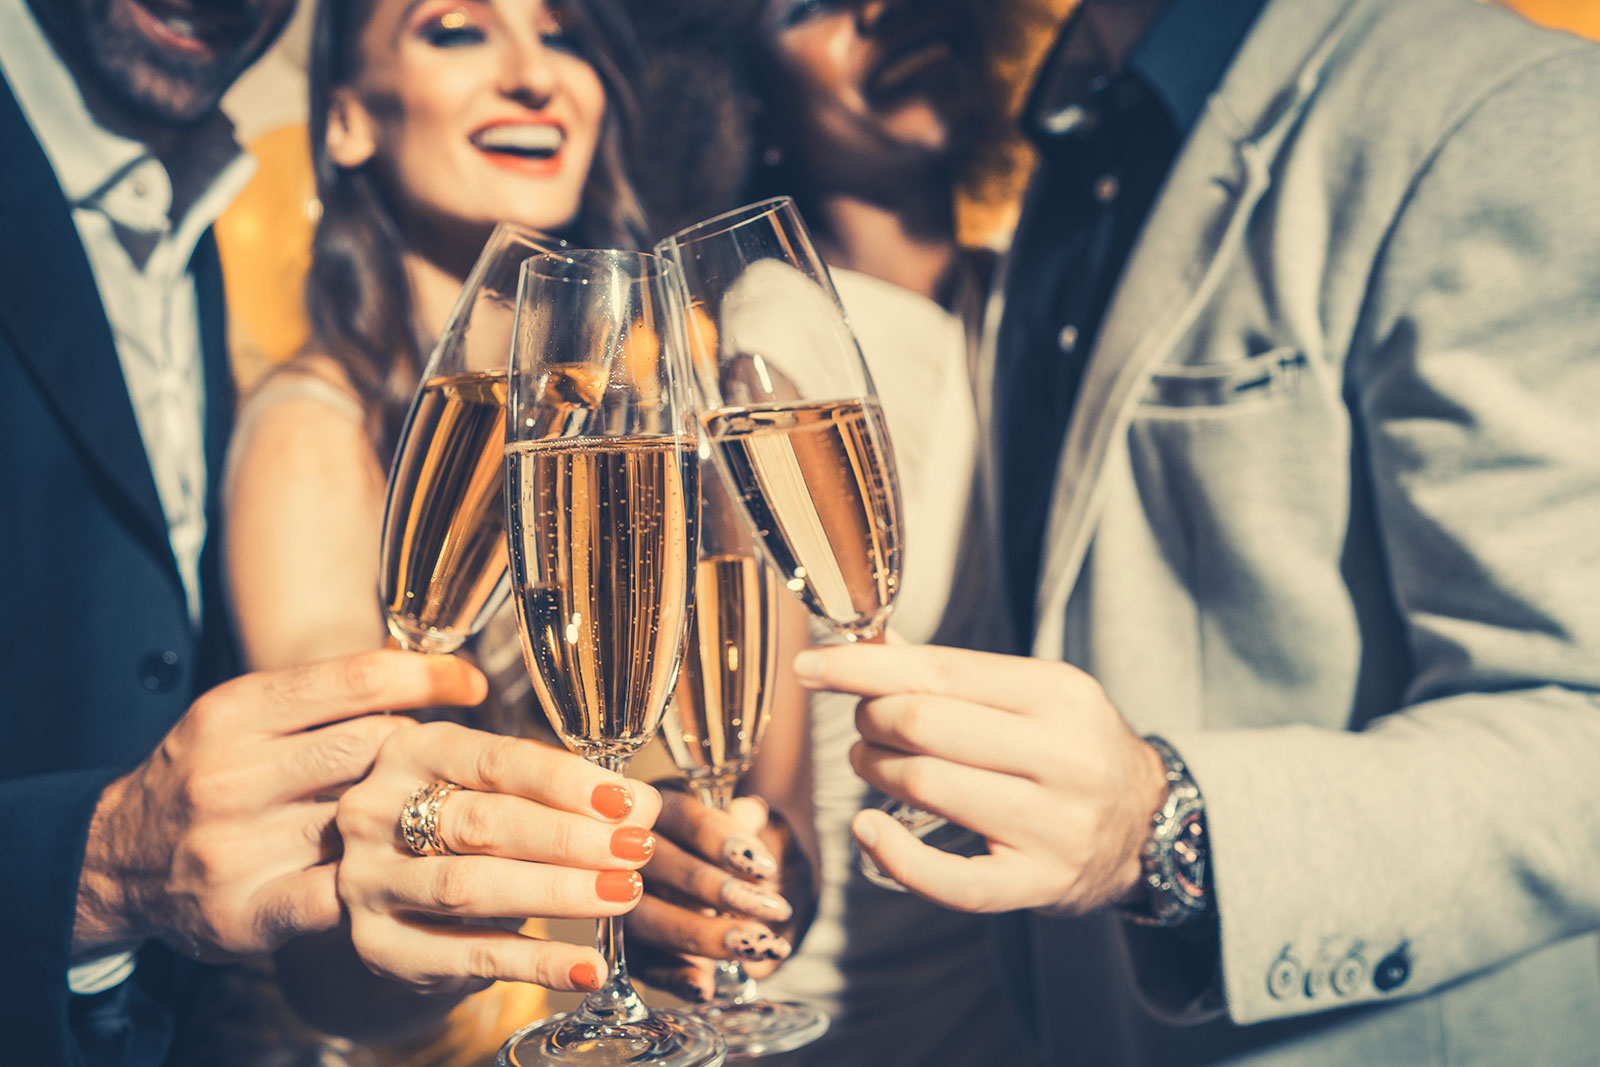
<point x="1293" y="395"/>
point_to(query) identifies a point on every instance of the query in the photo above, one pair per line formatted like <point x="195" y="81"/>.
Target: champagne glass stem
<point x="616" y="1001"/>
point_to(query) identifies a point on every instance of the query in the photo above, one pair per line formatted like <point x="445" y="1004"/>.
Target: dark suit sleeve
<point x="47" y="822"/>
<point x="129" y="1025"/>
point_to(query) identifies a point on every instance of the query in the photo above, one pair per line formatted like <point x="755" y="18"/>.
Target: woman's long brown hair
<point x="358" y="297"/>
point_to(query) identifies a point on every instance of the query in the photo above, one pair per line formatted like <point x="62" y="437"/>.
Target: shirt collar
<point x="1180" y="59"/>
<point x="1183" y="55"/>
<point x="89" y="154"/>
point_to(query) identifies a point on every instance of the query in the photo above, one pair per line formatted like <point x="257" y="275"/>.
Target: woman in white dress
<point x="873" y="115"/>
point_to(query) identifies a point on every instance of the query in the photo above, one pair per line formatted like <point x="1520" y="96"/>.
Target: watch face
<point x="1189" y="857"/>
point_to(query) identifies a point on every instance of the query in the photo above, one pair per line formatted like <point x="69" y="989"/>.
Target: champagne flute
<point x="788" y="404"/>
<point x="442" y="570"/>
<point x="602" y="503"/>
<point x="714" y="725"/>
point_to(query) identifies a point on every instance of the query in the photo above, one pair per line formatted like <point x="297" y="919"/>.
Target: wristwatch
<point x="1174" y="857"/>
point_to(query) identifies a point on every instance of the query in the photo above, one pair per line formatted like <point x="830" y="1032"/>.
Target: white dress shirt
<point x="139" y="223"/>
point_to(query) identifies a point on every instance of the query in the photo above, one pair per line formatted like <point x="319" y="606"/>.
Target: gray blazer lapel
<point x="1193" y="233"/>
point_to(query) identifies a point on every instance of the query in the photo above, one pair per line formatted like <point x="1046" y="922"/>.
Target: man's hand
<point x="723" y="885"/>
<point x="221" y="842"/>
<point x="1029" y="754"/>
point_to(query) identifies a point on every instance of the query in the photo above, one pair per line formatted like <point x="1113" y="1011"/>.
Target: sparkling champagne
<point x="603" y="535"/>
<point x="824" y="501"/>
<point x="444" y="547"/>
<point x="719" y="709"/>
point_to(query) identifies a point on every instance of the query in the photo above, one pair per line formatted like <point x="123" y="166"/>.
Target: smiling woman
<point x="431" y="121"/>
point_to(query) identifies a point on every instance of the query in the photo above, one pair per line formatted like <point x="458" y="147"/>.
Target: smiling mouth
<point x="190" y="28"/>
<point x="914" y="68"/>
<point x="533" y="141"/>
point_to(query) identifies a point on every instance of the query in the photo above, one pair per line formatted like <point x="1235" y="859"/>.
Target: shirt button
<point x="1067" y="339"/>
<point x="141" y="188"/>
<point x="1106" y="188"/>
<point x="159" y="672"/>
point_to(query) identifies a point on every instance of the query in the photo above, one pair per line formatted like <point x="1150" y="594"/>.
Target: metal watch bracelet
<point x="1174" y="859"/>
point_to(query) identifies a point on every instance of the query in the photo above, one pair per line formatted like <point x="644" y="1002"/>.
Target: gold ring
<point x="419" y="819"/>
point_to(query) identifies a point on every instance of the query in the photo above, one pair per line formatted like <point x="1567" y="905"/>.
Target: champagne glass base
<point x="662" y="1039"/>
<point x="762" y="1027"/>
<point x="424" y="638"/>
<point x="933" y="830"/>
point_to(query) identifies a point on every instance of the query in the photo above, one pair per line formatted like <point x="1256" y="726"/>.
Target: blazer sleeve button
<point x="1392" y="971"/>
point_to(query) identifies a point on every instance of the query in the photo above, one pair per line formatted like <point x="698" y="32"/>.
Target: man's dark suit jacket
<point x="99" y="656"/>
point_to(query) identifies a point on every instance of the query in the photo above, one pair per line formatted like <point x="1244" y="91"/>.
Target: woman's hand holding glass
<point x="724" y="886"/>
<point x="532" y="830"/>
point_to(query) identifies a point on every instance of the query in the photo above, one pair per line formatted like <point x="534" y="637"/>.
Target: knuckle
<point x="286" y="687"/>
<point x="206" y="791"/>
<point x="495" y="761"/>
<point x="563" y="839"/>
<point x="422" y="736"/>
<point x="350" y="817"/>
<point x="336" y="751"/>
<point x="207" y="711"/>
<point x="376" y="955"/>
<point x="940" y="677"/>
<point x="916" y="777"/>
<point x="483" y="960"/>
<point x="907" y="721"/>
<point x="451" y="888"/>
<point x="976" y="896"/>
<point x="470" y="822"/>
<point x="361" y="677"/>
<point x="201" y="860"/>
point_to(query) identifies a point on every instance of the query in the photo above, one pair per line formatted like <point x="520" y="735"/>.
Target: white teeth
<point x="180" y="26"/>
<point x="532" y="138"/>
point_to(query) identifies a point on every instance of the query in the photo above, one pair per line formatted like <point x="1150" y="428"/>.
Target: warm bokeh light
<point x="264" y="240"/>
<point x="1576" y="16"/>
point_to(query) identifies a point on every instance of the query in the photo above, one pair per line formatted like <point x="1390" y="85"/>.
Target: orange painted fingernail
<point x="584" y="976"/>
<point x="612" y="801"/>
<point x="619" y="887"/>
<point x="633" y="843"/>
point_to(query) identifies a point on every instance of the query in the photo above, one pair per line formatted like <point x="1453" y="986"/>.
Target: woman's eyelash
<point x="451" y="30"/>
<point x="799" y="10"/>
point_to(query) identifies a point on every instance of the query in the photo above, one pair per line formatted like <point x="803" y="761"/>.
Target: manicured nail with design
<point x="742" y="896"/>
<point x="612" y="801"/>
<point x="633" y="843"/>
<point x="584" y="977"/>
<point x="619" y="887"/>
<point x="748" y="856"/>
<point x="754" y="944"/>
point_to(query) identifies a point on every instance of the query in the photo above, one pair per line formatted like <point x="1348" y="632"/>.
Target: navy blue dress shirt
<point x="1106" y="143"/>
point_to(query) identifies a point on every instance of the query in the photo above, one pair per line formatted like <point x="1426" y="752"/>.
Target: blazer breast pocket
<point x="1198" y="390"/>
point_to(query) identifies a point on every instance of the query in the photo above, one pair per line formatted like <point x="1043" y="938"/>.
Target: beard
<point x="153" y="82"/>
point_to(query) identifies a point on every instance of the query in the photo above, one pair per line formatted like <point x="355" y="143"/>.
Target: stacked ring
<point x="419" y="818"/>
